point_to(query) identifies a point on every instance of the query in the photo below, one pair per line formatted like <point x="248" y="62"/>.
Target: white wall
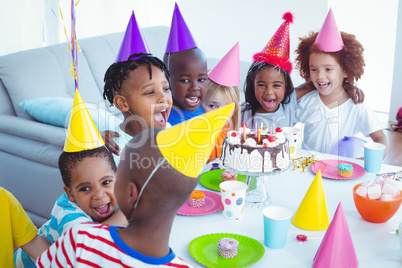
<point x="396" y="96"/>
<point x="218" y="25"/>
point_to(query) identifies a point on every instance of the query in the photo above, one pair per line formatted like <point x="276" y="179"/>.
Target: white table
<point x="376" y="245"/>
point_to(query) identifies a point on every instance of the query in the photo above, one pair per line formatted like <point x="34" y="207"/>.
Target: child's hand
<point x="355" y="93"/>
<point x="108" y="136"/>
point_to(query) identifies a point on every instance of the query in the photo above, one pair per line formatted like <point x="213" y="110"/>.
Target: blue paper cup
<point x="276" y="226"/>
<point x="373" y="155"/>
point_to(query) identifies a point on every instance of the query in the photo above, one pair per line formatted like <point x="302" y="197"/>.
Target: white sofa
<point x="29" y="149"/>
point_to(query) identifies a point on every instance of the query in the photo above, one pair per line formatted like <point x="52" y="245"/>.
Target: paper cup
<point x="276" y="226"/>
<point x="233" y="194"/>
<point x="293" y="136"/>
<point x="373" y="155"/>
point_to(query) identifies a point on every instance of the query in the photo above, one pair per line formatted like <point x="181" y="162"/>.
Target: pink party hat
<point x="329" y="39"/>
<point x="180" y="37"/>
<point x="227" y="71"/>
<point x="276" y="51"/>
<point x="133" y="41"/>
<point x="336" y="249"/>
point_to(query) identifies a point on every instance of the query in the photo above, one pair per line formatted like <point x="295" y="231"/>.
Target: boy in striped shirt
<point x="152" y="184"/>
<point x="145" y="242"/>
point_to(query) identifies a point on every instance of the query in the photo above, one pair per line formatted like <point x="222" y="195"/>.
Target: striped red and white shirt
<point x="99" y="245"/>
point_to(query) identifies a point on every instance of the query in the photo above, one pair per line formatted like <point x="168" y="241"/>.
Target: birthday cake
<point x="255" y="150"/>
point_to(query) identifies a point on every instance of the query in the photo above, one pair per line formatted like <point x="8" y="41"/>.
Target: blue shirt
<point x="178" y="116"/>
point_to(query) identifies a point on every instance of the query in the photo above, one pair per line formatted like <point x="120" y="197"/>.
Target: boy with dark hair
<point x="148" y="196"/>
<point x="89" y="174"/>
<point x="187" y="65"/>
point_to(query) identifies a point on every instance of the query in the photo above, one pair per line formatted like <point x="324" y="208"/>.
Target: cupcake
<point x="227" y="247"/>
<point x="345" y="170"/>
<point x="197" y="199"/>
<point x="229" y="176"/>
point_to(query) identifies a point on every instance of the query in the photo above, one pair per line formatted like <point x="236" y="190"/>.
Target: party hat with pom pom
<point x="187" y="146"/>
<point x="336" y="249"/>
<point x="133" y="41"/>
<point x="227" y="71"/>
<point x="82" y="133"/>
<point x="180" y="37"/>
<point x="312" y="213"/>
<point x="329" y="39"/>
<point x="276" y="52"/>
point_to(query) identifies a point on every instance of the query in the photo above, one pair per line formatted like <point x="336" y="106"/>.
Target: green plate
<point x="204" y="249"/>
<point x="212" y="179"/>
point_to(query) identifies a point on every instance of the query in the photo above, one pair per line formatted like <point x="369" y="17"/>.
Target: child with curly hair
<point x="270" y="96"/>
<point x="328" y="113"/>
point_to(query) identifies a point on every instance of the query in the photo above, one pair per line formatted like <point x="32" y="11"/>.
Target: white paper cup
<point x="233" y="194"/>
<point x="293" y="136"/>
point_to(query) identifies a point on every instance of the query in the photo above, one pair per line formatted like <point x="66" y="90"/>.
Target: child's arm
<point x="355" y="93"/>
<point x="36" y="246"/>
<point x="303" y="89"/>
<point x="380" y="137"/>
<point x="117" y="219"/>
<point x="108" y="136"/>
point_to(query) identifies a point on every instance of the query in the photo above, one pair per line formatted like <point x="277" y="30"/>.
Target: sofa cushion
<point x="45" y="72"/>
<point x="57" y="112"/>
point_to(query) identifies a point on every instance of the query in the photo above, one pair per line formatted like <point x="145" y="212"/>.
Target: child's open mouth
<point x="269" y="103"/>
<point x="103" y="211"/>
<point x="161" y="117"/>
<point x="323" y="85"/>
<point x="193" y="101"/>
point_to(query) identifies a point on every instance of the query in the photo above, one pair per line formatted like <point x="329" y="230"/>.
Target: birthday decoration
<point x="133" y="41"/>
<point x="303" y="162"/>
<point x="180" y="37"/>
<point x="276" y="51"/>
<point x="82" y="133"/>
<point x="227" y="71"/>
<point x="312" y="213"/>
<point x="187" y="146"/>
<point x="336" y="249"/>
<point x="329" y="39"/>
<point x="352" y="147"/>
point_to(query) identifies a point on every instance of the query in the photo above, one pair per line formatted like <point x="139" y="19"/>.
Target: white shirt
<point x="283" y="117"/>
<point x="323" y="127"/>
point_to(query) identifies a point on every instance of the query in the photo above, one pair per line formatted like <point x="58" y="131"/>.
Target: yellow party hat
<point x="82" y="133"/>
<point x="312" y="213"/>
<point x="187" y="146"/>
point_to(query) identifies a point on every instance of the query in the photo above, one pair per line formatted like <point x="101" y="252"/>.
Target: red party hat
<point x="276" y="52"/>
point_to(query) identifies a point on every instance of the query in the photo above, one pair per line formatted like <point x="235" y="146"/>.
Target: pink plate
<point x="212" y="204"/>
<point x="331" y="171"/>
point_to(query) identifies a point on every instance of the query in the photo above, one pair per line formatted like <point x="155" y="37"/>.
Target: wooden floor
<point x="394" y="156"/>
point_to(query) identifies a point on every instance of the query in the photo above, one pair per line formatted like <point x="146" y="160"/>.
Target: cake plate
<point x="257" y="196"/>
